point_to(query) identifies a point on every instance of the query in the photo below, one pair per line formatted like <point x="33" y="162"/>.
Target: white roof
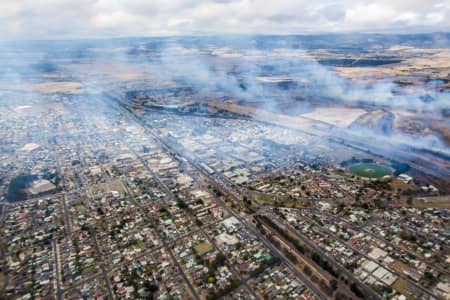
<point x="30" y="147"/>
<point x="389" y="278"/>
<point x="370" y="266"/>
<point x="230" y="222"/>
<point x="227" y="239"/>
<point x="380" y="273"/>
<point x="41" y="186"/>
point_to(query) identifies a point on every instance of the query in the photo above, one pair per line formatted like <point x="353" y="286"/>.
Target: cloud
<point x="104" y="18"/>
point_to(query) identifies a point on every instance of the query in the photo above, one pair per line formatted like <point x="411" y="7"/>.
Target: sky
<point x="60" y="19"/>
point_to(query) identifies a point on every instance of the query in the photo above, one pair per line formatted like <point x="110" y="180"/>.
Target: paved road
<point x="234" y="195"/>
<point x="317" y="249"/>
<point x="401" y="275"/>
<point x="280" y="255"/>
<point x="57" y="269"/>
<point x="161" y="238"/>
<point x="102" y="264"/>
<point x="66" y="214"/>
<point x="244" y="281"/>
<point x="3" y="209"/>
<point x="219" y="183"/>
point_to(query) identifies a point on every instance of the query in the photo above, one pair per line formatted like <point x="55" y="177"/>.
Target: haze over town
<point x="228" y="149"/>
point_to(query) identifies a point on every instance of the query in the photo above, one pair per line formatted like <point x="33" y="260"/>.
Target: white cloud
<point x="366" y="16"/>
<point x="93" y="18"/>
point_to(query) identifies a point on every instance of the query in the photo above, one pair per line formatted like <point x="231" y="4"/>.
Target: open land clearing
<point x="415" y="61"/>
<point x="338" y="116"/>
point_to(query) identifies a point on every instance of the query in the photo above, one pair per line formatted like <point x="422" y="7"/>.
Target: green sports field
<point x="370" y="170"/>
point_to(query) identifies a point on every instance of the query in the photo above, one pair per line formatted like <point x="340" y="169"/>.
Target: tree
<point x="307" y="270"/>
<point x="355" y="289"/>
<point x="181" y="204"/>
<point x="409" y="201"/>
<point x="333" y="284"/>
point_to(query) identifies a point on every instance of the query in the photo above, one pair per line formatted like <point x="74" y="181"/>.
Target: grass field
<point x="370" y="170"/>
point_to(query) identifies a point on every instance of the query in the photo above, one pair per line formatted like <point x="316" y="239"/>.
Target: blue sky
<point x="112" y="18"/>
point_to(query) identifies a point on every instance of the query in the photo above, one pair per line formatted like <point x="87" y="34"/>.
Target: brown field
<point x="432" y="202"/>
<point x="65" y="87"/>
<point x="203" y="248"/>
<point x="108" y="187"/>
<point x="338" y="116"/>
<point x="115" y="72"/>
<point x="50" y="87"/>
<point x="415" y="60"/>
<point x="401" y="285"/>
<point x="296" y="122"/>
